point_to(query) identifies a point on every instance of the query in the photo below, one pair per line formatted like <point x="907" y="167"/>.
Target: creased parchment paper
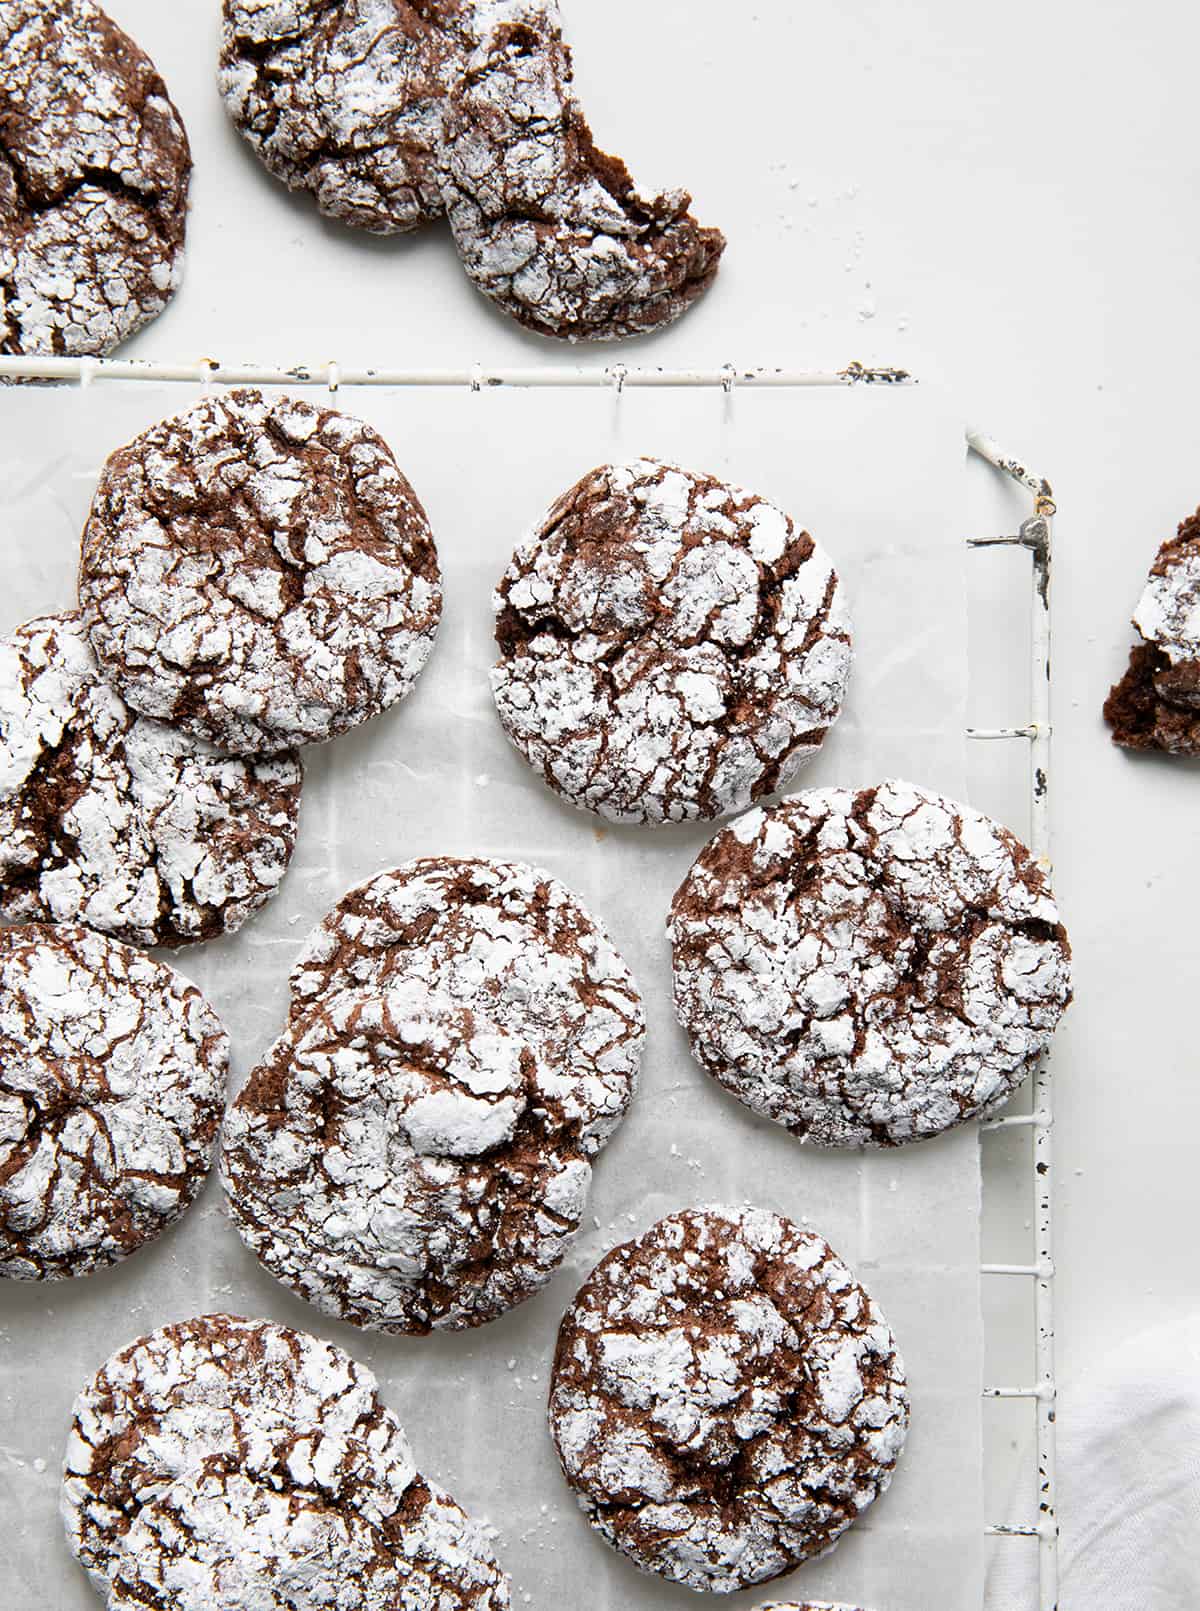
<point x="878" y="477"/>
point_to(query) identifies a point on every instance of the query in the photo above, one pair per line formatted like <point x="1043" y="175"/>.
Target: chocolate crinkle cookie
<point x="112" y="1085"/>
<point x="868" y="968"/>
<point x="726" y="1399"/>
<point x="1156" y="705"/>
<point x="807" y="1605"/>
<point x="121" y="823"/>
<point x="94" y="171"/>
<point x="392" y="1162"/>
<point x="391" y="114"/>
<point x="671" y="647"/>
<point x="258" y="573"/>
<point x="416" y="1150"/>
<point x="511" y="945"/>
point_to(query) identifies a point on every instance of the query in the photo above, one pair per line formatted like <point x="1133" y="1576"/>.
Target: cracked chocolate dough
<point x="112" y="1085"/>
<point x="94" y="171"/>
<point x="868" y="968"/>
<point x="393" y="113"/>
<point x="671" y="647"/>
<point x="121" y="823"/>
<point x="1156" y="705"/>
<point x="416" y="1150"/>
<point x="213" y="1386"/>
<point x="508" y="943"/>
<point x="311" y="1519"/>
<point x="806" y="1605"/>
<point x="725" y="1399"/>
<point x="257" y="572"/>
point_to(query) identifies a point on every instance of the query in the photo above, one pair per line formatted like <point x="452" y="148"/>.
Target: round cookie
<point x="343" y="101"/>
<point x="725" y="1399"/>
<point x="1156" y="705"/>
<point x="507" y="942"/>
<point x="121" y="823"/>
<point x="552" y="229"/>
<point x="94" y="172"/>
<point x="257" y="572"/>
<point x="868" y="968"/>
<point x="112" y="1085"/>
<point x="672" y="647"/>
<point x="313" y="1519"/>
<point x="215" y="1385"/>
<point x="402" y="1163"/>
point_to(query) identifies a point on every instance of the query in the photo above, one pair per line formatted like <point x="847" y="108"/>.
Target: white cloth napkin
<point x="1129" y="1485"/>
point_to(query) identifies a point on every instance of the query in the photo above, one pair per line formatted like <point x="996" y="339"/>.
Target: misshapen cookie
<point x="726" y="1399"/>
<point x="112" y="1085"/>
<point x="94" y="171"/>
<point x="868" y="968"/>
<point x="552" y="229"/>
<point x="121" y="823"/>
<point x="1156" y="705"/>
<point x="217" y="1385"/>
<point x="513" y="946"/>
<point x="672" y="647"/>
<point x="402" y="1163"/>
<point x="344" y="101"/>
<point x="312" y="1518"/>
<point x="258" y="572"/>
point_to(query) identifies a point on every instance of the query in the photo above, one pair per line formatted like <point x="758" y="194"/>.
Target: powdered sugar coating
<point x="258" y="572"/>
<point x="316" y="1519"/>
<point x="403" y="1164"/>
<point x="343" y="100"/>
<point x="1156" y="705"/>
<point x="672" y="647"/>
<point x="216" y="1385"/>
<point x="726" y="1399"/>
<point x="868" y="968"/>
<point x="807" y="1605"/>
<point x="112" y="1085"/>
<point x="548" y="226"/>
<point x="509" y="943"/>
<point x="121" y="823"/>
<point x="94" y="171"/>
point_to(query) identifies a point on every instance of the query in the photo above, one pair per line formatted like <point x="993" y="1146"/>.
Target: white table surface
<point x="1005" y="201"/>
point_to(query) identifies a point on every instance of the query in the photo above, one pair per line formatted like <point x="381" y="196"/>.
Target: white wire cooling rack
<point x="1033" y="538"/>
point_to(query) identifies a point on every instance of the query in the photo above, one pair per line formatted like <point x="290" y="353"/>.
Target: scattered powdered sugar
<point x="112" y="1085"/>
<point x="122" y="823"/>
<point x="403" y="1163"/>
<point x="216" y="1385"/>
<point x="672" y="647"/>
<point x="94" y="171"/>
<point x="507" y="942"/>
<point x="1156" y="705"/>
<point x="868" y="968"/>
<point x="548" y="226"/>
<point x="726" y="1399"/>
<point x="258" y="572"/>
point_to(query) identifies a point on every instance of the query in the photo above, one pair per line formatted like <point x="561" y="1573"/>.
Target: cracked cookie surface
<point x="122" y="823"/>
<point x="94" y="172"/>
<point x="672" y="647"/>
<point x="112" y="1085"/>
<point x="868" y="968"/>
<point x="807" y="1605"/>
<point x="1156" y="705"/>
<point x="344" y="101"/>
<point x="257" y="572"/>
<point x="216" y="1385"/>
<point x="403" y="1163"/>
<point x="311" y="1519"/>
<point x="726" y="1399"/>
<point x="552" y="229"/>
<point x="507" y="942"/>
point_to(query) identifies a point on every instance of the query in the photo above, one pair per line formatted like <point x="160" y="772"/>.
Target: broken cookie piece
<point x="1156" y="704"/>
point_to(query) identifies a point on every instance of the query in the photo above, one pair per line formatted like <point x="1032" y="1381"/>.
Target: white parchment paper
<point x="878" y="477"/>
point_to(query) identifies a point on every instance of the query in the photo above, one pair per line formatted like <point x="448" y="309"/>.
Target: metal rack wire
<point x="1034" y="537"/>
